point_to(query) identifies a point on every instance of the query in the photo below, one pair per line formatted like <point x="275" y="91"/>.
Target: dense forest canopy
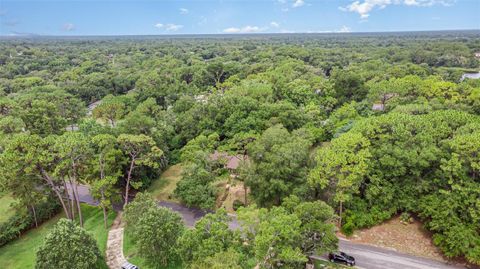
<point x="374" y="125"/>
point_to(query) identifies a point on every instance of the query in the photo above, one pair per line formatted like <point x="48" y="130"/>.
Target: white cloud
<point x="173" y="27"/>
<point x="183" y="11"/>
<point x="68" y="27"/>
<point x="298" y="3"/>
<point x="344" y="29"/>
<point x="411" y="2"/>
<point x="364" y="7"/>
<point x="245" y="29"/>
<point x="274" y="24"/>
<point x="428" y="3"/>
<point x="169" y="26"/>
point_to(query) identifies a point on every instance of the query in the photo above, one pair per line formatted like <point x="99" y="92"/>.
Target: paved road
<point x="379" y="258"/>
<point x="366" y="256"/>
<point x="83" y="194"/>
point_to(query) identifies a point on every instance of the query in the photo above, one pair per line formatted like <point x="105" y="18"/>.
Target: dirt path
<point x="114" y="253"/>
<point x="409" y="238"/>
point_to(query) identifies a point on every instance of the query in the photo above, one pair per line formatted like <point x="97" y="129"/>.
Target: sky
<point x="167" y="17"/>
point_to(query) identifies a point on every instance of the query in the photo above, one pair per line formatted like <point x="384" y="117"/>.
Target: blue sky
<point x="154" y="17"/>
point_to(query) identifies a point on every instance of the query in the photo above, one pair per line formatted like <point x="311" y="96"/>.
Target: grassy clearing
<point x="6" y="210"/>
<point x="131" y="254"/>
<point x="20" y="254"/>
<point x="162" y="188"/>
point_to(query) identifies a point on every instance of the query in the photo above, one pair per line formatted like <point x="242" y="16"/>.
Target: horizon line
<point x="33" y="35"/>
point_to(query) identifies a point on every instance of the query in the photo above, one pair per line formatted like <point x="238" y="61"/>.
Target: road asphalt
<point x="366" y="256"/>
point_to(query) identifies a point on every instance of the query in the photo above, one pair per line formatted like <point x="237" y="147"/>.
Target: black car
<point x="342" y="257"/>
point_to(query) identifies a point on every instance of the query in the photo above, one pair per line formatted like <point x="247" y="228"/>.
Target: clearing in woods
<point x="162" y="188"/>
<point x="409" y="238"/>
<point x="6" y="209"/>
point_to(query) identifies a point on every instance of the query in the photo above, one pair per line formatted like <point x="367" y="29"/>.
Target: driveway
<point x="83" y="194"/>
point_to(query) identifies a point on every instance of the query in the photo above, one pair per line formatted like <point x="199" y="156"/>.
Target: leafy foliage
<point x="156" y="231"/>
<point x="392" y="125"/>
<point x="210" y="236"/>
<point x="67" y="246"/>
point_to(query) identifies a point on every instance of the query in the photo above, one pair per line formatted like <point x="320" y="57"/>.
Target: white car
<point x="128" y="265"/>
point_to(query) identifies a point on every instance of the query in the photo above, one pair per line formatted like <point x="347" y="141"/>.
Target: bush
<point x="68" y="245"/>
<point x="23" y="221"/>
<point x="348" y="228"/>
<point x="360" y="215"/>
<point x="405" y="217"/>
<point x="237" y="204"/>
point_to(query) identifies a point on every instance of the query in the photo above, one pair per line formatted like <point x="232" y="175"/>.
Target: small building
<point x="231" y="162"/>
<point x="470" y="76"/>
<point x="477" y="54"/>
<point x="378" y="107"/>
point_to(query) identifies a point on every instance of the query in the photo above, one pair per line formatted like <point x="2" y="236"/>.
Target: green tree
<point x="32" y="158"/>
<point x="134" y="210"/>
<point x="159" y="230"/>
<point x="278" y="165"/>
<point x="317" y="227"/>
<point x="195" y="189"/>
<point x="210" y="236"/>
<point x="106" y="170"/>
<point x="110" y="109"/>
<point x="140" y="151"/>
<point x="68" y="246"/>
<point x="156" y="231"/>
<point x="277" y="240"/>
<point x="198" y="149"/>
<point x="342" y="167"/>
<point x="348" y="85"/>
<point x="73" y="153"/>
<point x="225" y="259"/>
<point x="11" y="125"/>
<point x="286" y="236"/>
<point x="48" y="110"/>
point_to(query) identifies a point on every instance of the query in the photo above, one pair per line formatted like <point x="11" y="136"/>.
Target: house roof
<point x="378" y="107"/>
<point x="232" y="162"/>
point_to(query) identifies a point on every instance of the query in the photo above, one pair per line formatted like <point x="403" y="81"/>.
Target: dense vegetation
<point x="281" y="237"/>
<point x="22" y="253"/>
<point x="372" y="125"/>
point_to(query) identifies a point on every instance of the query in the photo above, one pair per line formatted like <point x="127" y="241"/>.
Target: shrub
<point x="23" y="221"/>
<point x="405" y="217"/>
<point x="348" y="228"/>
<point x="237" y="204"/>
<point x="68" y="246"/>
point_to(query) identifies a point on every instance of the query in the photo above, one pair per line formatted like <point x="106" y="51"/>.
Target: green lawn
<point x="131" y="254"/>
<point x="163" y="187"/>
<point x="20" y="254"/>
<point x="6" y="211"/>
